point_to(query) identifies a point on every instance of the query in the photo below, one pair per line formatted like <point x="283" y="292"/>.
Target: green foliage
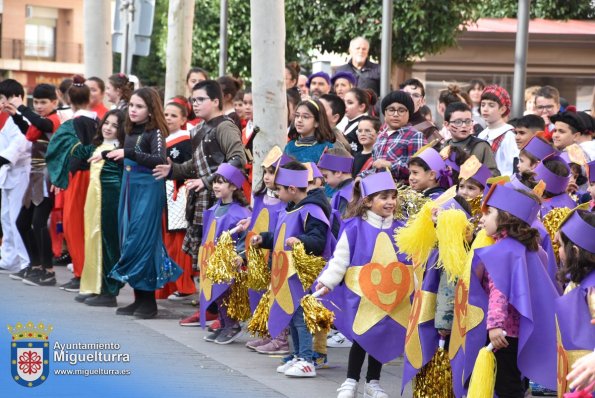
<point x="546" y="9"/>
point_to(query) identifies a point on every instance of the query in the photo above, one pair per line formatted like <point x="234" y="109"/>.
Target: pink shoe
<point x="277" y="346"/>
<point x="253" y="344"/>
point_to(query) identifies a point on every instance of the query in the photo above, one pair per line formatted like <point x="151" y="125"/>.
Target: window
<point x="40" y="32"/>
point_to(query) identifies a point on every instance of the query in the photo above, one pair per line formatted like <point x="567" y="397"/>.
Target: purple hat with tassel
<point x="554" y="183"/>
<point x="436" y="163"/>
<point x="507" y="199"/>
<point x="313" y="171"/>
<point x="336" y="163"/>
<point x="539" y="148"/>
<point x="377" y="182"/>
<point x="579" y="232"/>
<point x="453" y="204"/>
<point x="296" y="178"/>
<point x="231" y="174"/>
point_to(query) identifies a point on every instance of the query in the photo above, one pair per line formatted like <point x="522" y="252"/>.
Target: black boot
<point x="129" y="309"/>
<point x="148" y="308"/>
<point x="102" y="300"/>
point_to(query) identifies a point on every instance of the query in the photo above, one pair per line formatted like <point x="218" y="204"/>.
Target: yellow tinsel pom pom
<point x="418" y="237"/>
<point x="481" y="240"/>
<point x="483" y="378"/>
<point x="258" y="325"/>
<point x="435" y="378"/>
<point x="318" y="318"/>
<point x="552" y="223"/>
<point x="410" y="202"/>
<point x="451" y="231"/>
<point x="221" y="265"/>
<point x="307" y="266"/>
<point x="259" y="274"/>
<point x="238" y="301"/>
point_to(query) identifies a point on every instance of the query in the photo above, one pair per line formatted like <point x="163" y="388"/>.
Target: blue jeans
<point x="300" y="335"/>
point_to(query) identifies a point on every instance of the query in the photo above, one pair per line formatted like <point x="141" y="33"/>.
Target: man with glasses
<point x="458" y="119"/>
<point x="416" y="89"/>
<point x="547" y="104"/>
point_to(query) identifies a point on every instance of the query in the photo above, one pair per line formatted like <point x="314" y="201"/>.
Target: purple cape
<point x="574" y="323"/>
<point x="227" y="221"/>
<point x="562" y="200"/>
<point x="286" y="288"/>
<point x="422" y="309"/>
<point x="375" y="305"/>
<point x="546" y="245"/>
<point x="522" y="277"/>
<point x="262" y="211"/>
<point x="346" y="193"/>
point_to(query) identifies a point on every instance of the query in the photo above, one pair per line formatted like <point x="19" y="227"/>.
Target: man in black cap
<point x="367" y="74"/>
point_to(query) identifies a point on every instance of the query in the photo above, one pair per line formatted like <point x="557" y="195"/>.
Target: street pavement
<point x="166" y="360"/>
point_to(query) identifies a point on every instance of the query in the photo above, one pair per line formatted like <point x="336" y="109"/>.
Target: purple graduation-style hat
<point x="472" y="168"/>
<point x="554" y="183"/>
<point x="590" y="167"/>
<point x="579" y="232"/>
<point x="296" y="178"/>
<point x="336" y="163"/>
<point x="231" y="174"/>
<point x="453" y="204"/>
<point x="276" y="158"/>
<point x="377" y="182"/>
<point x="313" y="171"/>
<point x="517" y="184"/>
<point x="539" y="148"/>
<point x="433" y="160"/>
<point x="507" y="199"/>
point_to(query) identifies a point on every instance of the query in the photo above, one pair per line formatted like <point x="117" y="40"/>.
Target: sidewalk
<point x="162" y="348"/>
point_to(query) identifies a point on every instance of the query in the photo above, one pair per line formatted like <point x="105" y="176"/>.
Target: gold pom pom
<point x="410" y="202"/>
<point x="308" y="267"/>
<point x="238" y="301"/>
<point x="318" y="318"/>
<point x="258" y="325"/>
<point x="435" y="378"/>
<point x="483" y="378"/>
<point x="552" y="223"/>
<point x="451" y="230"/>
<point x="221" y="265"/>
<point x="259" y="274"/>
<point x="418" y="237"/>
<point x="475" y="205"/>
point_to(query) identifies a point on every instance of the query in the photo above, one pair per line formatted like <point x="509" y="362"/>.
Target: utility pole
<point x="267" y="36"/>
<point x="223" y="38"/>
<point x="520" y="58"/>
<point x="97" y="53"/>
<point x="386" y="47"/>
<point x="180" y="19"/>
<point x="127" y="10"/>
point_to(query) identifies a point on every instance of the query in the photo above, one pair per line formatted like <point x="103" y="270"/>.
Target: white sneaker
<point x="338" y="340"/>
<point x="373" y="390"/>
<point x="348" y="389"/>
<point x="177" y="296"/>
<point x="286" y="365"/>
<point x="301" y="368"/>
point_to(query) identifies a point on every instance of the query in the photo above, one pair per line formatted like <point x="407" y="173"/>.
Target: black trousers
<point x="357" y="355"/>
<point x="509" y="382"/>
<point x="32" y="224"/>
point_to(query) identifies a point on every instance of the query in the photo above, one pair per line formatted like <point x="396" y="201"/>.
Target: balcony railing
<point x="41" y="51"/>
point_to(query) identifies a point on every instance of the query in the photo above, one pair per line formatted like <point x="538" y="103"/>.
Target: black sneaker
<point x="213" y="336"/>
<point x="102" y="300"/>
<point x="62" y="260"/>
<point x="42" y="278"/>
<point x="81" y="297"/>
<point x="228" y="335"/>
<point x="72" y="286"/>
<point x="24" y="273"/>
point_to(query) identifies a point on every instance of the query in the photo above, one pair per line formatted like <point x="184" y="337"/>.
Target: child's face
<point x="522" y="135"/>
<point x="352" y="107"/>
<point x="269" y="178"/>
<point x="491" y="111"/>
<point x="546" y="107"/>
<point x="44" y="106"/>
<point x="488" y="220"/>
<point x="341" y="87"/>
<point x="138" y="110"/>
<point x="204" y="107"/>
<point x="561" y="251"/>
<point x="109" y="129"/>
<point x="286" y="194"/>
<point x="304" y="122"/>
<point x="383" y="204"/>
<point x="332" y="118"/>
<point x="475" y="94"/>
<point x="194" y="78"/>
<point x="468" y="190"/>
<point x="563" y="136"/>
<point x="366" y="135"/>
<point x="112" y="93"/>
<point x="332" y="178"/>
<point x="591" y="190"/>
<point x="223" y="190"/>
<point x="396" y="115"/>
<point x="419" y="179"/>
<point x="460" y="125"/>
<point x="248" y="106"/>
<point x="174" y="118"/>
<point x="525" y="164"/>
<point x="96" y="96"/>
<point x="238" y="106"/>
